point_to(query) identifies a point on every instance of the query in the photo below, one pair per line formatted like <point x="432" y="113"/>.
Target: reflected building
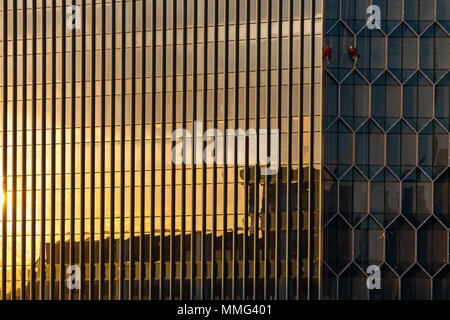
<point x="98" y="98"/>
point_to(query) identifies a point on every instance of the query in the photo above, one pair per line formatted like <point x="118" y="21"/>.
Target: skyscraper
<point x="224" y="149"/>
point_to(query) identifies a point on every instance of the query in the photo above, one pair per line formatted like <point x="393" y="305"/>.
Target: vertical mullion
<point x="33" y="160"/>
<point x="289" y="143"/>
<point x="83" y="149"/>
<point x="43" y="147"/>
<point x="53" y="158"/>
<point x="122" y="152"/>
<point x="133" y="150"/>
<point x="143" y="138"/>
<point x="311" y="162"/>
<point x="14" y="157"/>
<point x="225" y="154"/>
<point x="194" y="154"/>
<point x="246" y="166"/>
<point x="278" y="182"/>
<point x="266" y="179"/>
<point x="163" y="154"/>
<point x="24" y="149"/>
<point x="236" y="126"/>
<point x="113" y="153"/>
<point x="183" y="166"/>
<point x="92" y="173"/>
<point x="62" y="241"/>
<point x="72" y="151"/>
<point x="214" y="213"/>
<point x="5" y="147"/>
<point x="152" y="154"/>
<point x="172" y="168"/>
<point x="300" y="156"/>
<point x="102" y="156"/>
<point x="257" y="175"/>
<point x="320" y="202"/>
<point x="205" y="127"/>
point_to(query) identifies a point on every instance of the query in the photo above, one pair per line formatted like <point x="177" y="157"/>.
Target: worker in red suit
<point x="353" y="53"/>
<point x="326" y="53"/>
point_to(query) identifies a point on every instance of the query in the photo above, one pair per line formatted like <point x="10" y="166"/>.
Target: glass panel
<point x="384" y="197"/>
<point x="416" y="197"/>
<point x="372" y="50"/>
<point x="352" y="284"/>
<point x="402" y="52"/>
<point x="338" y="148"/>
<point x="391" y="13"/>
<point x="433" y="149"/>
<point x="434" y="49"/>
<point x="339" y="41"/>
<point x="400" y="245"/>
<point x="417" y="100"/>
<point x="416" y="285"/>
<point x="337" y="244"/>
<point x="354" y="106"/>
<point x="368" y="243"/>
<point x="386" y="105"/>
<point x="401" y="149"/>
<point x="353" y="12"/>
<point x="419" y="14"/>
<point x="442" y="197"/>
<point x="369" y="149"/>
<point x="432" y="243"/>
<point x="353" y="196"/>
<point x="443" y="101"/>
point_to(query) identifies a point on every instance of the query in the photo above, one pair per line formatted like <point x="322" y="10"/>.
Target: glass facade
<point x="92" y="94"/>
<point x="139" y="138"/>
<point x="386" y="150"/>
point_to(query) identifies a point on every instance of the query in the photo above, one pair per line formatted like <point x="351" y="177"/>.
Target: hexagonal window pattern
<point x="391" y="13"/>
<point x="417" y="197"/>
<point x="443" y="14"/>
<point x="354" y="106"/>
<point x="400" y="245"/>
<point x="384" y="197"/>
<point x="418" y="101"/>
<point x="432" y="246"/>
<point x="337" y="244"/>
<point x="338" y="148"/>
<point x="331" y="101"/>
<point x="368" y="243"/>
<point x="442" y="101"/>
<point x="441" y="284"/>
<point x="353" y="12"/>
<point x="372" y="48"/>
<point x="434" y="49"/>
<point x="389" y="286"/>
<point x="353" y="196"/>
<point x="441" y="196"/>
<point x="419" y="14"/>
<point x="369" y="149"/>
<point x="339" y="41"/>
<point x="433" y="149"/>
<point x="401" y="149"/>
<point x="416" y="285"/>
<point x="402" y="52"/>
<point x="352" y="284"/>
<point x="330" y="190"/>
<point x="386" y="122"/>
<point x="386" y="101"/>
